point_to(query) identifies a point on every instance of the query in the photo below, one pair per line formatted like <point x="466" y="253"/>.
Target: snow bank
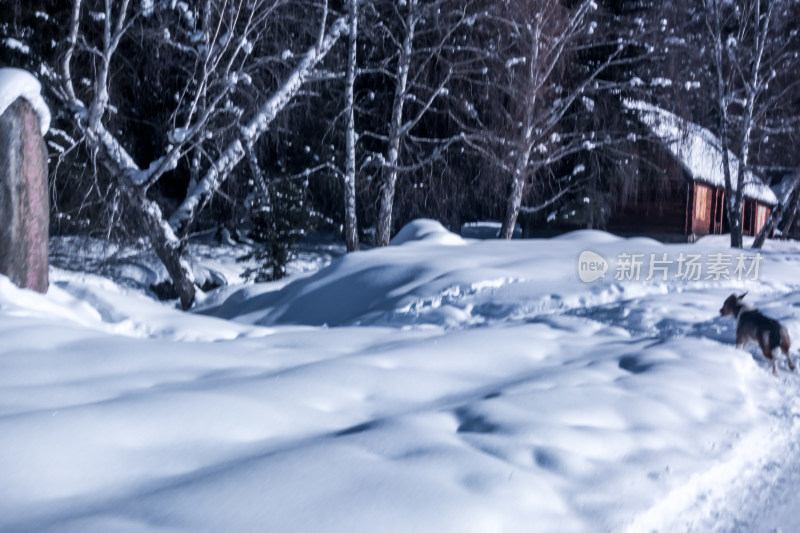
<point x="475" y="283"/>
<point x="17" y="83"/>
<point x="427" y="232"/>
<point x="500" y="393"/>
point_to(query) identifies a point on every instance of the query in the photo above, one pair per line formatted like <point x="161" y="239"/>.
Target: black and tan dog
<point x="751" y="325"/>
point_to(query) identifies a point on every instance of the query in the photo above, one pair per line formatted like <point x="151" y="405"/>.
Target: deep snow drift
<point x="466" y="386"/>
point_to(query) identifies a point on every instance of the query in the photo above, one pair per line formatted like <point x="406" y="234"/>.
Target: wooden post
<point x="24" y="205"/>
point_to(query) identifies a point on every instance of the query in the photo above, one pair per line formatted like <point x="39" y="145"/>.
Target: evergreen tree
<point x="280" y="219"/>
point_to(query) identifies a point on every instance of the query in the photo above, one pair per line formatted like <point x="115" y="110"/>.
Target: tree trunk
<point x="788" y="221"/>
<point x="761" y="37"/>
<point x="165" y="243"/>
<point x="167" y="246"/>
<point x="734" y="199"/>
<point x="768" y="225"/>
<point x="383" y="228"/>
<point x="777" y="213"/>
<point x="350" y="218"/>
<point x="525" y="143"/>
<point x="735" y="215"/>
<point x="514" y="200"/>
<point x="518" y="176"/>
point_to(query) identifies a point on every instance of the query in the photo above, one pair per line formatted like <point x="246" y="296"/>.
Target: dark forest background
<point x="273" y="118"/>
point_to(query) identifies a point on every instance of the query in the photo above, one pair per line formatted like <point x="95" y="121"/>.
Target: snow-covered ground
<point x="439" y="384"/>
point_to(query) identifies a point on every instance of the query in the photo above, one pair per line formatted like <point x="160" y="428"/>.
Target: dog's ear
<point x="742" y="296"/>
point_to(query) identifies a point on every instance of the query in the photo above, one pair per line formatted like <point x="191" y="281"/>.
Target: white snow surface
<point x="699" y="150"/>
<point x="467" y="386"/>
<point x="17" y="83"/>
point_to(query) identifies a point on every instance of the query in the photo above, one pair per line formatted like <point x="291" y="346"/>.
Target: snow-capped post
<point x="24" y="206"/>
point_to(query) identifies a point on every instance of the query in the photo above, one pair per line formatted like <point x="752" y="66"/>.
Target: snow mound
<point x="90" y="302"/>
<point x="17" y="83"/>
<point x="588" y="236"/>
<point x="426" y="231"/>
<point x="474" y="284"/>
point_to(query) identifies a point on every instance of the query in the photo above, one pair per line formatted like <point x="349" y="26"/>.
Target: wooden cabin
<point x="709" y="211"/>
<point x="681" y="193"/>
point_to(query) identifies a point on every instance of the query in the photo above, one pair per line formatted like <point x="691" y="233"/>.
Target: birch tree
<point x="350" y="217"/>
<point x="530" y="91"/>
<point x="220" y="67"/>
<point x="89" y="109"/>
<point x="751" y="45"/>
<point x="415" y="43"/>
<point x="388" y="179"/>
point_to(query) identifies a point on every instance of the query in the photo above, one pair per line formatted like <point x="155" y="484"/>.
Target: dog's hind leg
<point x="785" y="343"/>
<point x="763" y="342"/>
<point x="773" y="355"/>
<point x="789" y="359"/>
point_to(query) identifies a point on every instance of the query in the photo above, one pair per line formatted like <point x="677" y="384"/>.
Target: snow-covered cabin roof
<point x="698" y="150"/>
<point x="16" y="83"/>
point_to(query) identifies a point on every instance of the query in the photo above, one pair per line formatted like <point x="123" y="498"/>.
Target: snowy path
<point x="763" y="496"/>
<point x="759" y="493"/>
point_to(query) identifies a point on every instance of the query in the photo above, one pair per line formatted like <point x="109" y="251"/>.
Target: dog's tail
<point x="785" y="342"/>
